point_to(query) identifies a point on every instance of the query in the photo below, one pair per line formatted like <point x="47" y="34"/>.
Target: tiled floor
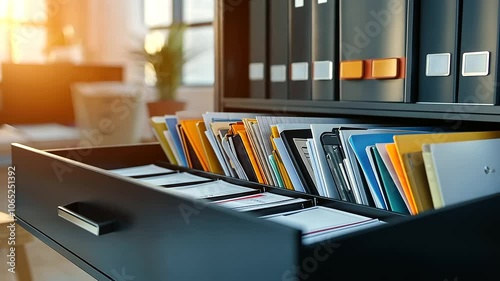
<point x="44" y="263"/>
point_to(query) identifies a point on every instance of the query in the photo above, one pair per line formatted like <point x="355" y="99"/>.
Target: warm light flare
<point x="154" y="41"/>
<point x="18" y="8"/>
<point x="4" y="9"/>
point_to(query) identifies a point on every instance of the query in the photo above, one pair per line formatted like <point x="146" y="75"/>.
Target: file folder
<point x="479" y="47"/>
<point x="258" y="48"/>
<point x="301" y="50"/>
<point x="466" y="170"/>
<point x="439" y="50"/>
<point x="413" y="143"/>
<point x="279" y="48"/>
<point x="394" y="197"/>
<point x="376" y="50"/>
<point x="325" y="49"/>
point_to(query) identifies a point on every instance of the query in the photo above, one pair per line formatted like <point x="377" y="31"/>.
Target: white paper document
<point x="258" y="202"/>
<point x="141" y="171"/>
<point x="177" y="178"/>
<point x="209" y="190"/>
<point x="319" y="223"/>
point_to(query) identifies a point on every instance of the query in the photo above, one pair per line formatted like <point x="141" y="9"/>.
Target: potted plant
<point x="167" y="62"/>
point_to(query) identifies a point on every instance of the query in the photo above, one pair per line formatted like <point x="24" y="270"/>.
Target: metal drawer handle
<point x="86" y="217"/>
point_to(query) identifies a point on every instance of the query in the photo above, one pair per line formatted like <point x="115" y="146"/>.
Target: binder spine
<point x="478" y="82"/>
<point x="279" y="48"/>
<point x="258" y="49"/>
<point x="374" y="50"/>
<point x="300" y="55"/>
<point x="325" y="50"/>
<point x="439" y="51"/>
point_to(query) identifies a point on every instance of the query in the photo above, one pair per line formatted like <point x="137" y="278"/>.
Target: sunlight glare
<point x="4" y="9"/>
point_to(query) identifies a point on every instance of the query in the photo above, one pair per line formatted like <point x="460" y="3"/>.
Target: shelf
<point x="452" y="112"/>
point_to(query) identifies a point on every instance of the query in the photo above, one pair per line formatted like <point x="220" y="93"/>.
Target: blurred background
<point x="68" y="64"/>
<point x="86" y="73"/>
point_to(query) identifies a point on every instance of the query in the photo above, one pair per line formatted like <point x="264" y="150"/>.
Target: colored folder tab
<point x="279" y="48"/>
<point x="192" y="159"/>
<point x="239" y="129"/>
<point x="172" y="122"/>
<point x="301" y="50"/>
<point x="439" y="50"/>
<point x="258" y="48"/>
<point x="396" y="162"/>
<point x="394" y="197"/>
<point x="325" y="49"/>
<point x="194" y="139"/>
<point x="214" y="165"/>
<point x="413" y="143"/>
<point x="251" y="127"/>
<point x="281" y="166"/>
<point x="237" y="141"/>
<point x="159" y="126"/>
<point x="480" y="44"/>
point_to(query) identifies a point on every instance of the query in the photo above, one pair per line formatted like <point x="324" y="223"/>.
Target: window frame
<point x="178" y="18"/>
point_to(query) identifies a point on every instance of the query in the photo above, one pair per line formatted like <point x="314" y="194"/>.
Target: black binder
<point x="375" y="36"/>
<point x="279" y="48"/>
<point x="243" y="157"/>
<point x="325" y="50"/>
<point x="288" y="137"/>
<point x="301" y="50"/>
<point x="258" y="48"/>
<point x="479" y="79"/>
<point x="439" y="50"/>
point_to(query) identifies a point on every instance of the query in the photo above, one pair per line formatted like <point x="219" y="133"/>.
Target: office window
<point x="157" y="12"/>
<point x="199" y="45"/>
<point x="23" y="31"/>
<point x="198" y="11"/>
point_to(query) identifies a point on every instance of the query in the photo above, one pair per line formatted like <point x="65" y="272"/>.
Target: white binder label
<point x="278" y="73"/>
<point x="476" y="64"/>
<point x="323" y="70"/>
<point x="322" y="1"/>
<point x="438" y="65"/>
<point x="300" y="71"/>
<point x="299" y="3"/>
<point x="256" y="72"/>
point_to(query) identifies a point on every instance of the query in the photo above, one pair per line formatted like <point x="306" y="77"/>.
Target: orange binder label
<point x="351" y="70"/>
<point x="385" y="69"/>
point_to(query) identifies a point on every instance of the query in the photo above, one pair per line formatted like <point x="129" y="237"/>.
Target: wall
<point x="110" y="29"/>
<point x="114" y="29"/>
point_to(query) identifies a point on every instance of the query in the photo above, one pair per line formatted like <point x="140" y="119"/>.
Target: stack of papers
<point x="210" y="190"/>
<point x="258" y="202"/>
<point x="139" y="171"/>
<point x="174" y="179"/>
<point x="321" y="223"/>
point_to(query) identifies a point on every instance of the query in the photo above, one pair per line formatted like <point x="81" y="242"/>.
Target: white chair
<point x="109" y="113"/>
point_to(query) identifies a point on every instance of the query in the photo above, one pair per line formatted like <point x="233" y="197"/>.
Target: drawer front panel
<point x="152" y="229"/>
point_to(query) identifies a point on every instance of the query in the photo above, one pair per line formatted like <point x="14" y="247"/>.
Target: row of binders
<point x="317" y="223"/>
<point x="408" y="170"/>
<point x="386" y="50"/>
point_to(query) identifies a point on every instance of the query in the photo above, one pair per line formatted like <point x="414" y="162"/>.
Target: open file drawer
<point x="154" y="238"/>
